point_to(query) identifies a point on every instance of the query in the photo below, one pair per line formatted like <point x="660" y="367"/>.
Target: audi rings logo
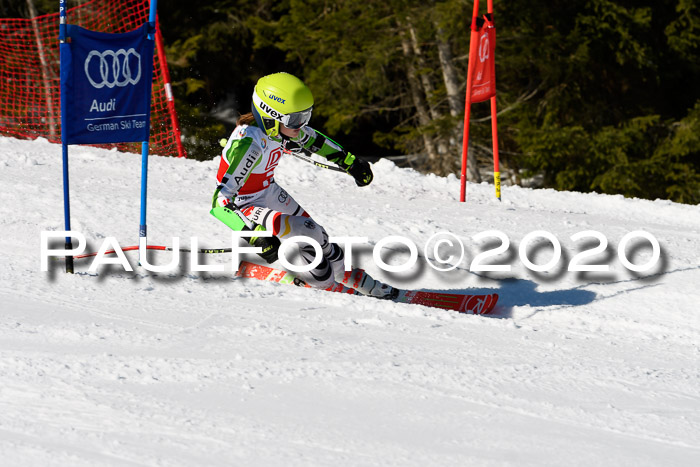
<point x="110" y="68"/>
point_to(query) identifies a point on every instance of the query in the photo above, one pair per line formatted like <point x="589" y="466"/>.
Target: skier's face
<point x="289" y="132"/>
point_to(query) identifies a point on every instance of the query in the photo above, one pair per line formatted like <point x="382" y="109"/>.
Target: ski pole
<point x="305" y="158"/>
<point x="154" y="247"/>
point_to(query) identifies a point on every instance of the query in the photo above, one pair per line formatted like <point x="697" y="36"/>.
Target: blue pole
<point x="144" y="184"/>
<point x="66" y="191"/>
<point x="152" y="15"/>
<point x="144" y="145"/>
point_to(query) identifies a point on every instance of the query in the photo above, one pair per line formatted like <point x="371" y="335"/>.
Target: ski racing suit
<point x="246" y="178"/>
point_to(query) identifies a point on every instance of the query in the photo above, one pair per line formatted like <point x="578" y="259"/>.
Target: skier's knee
<point x="304" y="226"/>
<point x="322" y="275"/>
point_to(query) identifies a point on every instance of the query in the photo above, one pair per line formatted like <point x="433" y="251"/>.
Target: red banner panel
<point x="484" y="69"/>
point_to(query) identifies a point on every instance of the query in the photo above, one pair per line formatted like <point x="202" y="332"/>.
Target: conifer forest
<point x="593" y="95"/>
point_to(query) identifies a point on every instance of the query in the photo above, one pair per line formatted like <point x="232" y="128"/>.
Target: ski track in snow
<point x="195" y="368"/>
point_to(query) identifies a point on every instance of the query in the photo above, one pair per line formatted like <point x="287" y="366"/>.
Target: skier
<point x="278" y="123"/>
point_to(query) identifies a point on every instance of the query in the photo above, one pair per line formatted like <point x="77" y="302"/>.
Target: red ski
<point x="473" y="304"/>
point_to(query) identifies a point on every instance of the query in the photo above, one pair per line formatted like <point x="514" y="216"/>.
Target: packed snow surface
<point x="187" y="367"/>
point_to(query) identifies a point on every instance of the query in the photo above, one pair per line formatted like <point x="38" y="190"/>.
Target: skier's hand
<point x="361" y="172"/>
<point x="270" y="245"/>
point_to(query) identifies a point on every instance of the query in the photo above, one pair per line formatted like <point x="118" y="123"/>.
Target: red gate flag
<point x="484" y="70"/>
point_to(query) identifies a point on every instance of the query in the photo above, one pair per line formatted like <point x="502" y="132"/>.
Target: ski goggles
<point x="296" y="120"/>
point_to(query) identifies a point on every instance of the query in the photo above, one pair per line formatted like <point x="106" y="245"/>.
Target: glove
<point x="270" y="245"/>
<point x="361" y="172"/>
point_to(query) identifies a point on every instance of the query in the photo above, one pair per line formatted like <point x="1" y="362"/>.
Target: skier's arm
<point x="239" y="157"/>
<point x="313" y="141"/>
<point x="242" y="155"/>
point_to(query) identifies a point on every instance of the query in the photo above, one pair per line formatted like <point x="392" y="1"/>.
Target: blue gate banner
<point x="106" y="86"/>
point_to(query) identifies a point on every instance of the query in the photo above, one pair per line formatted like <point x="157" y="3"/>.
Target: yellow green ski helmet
<point x="281" y="98"/>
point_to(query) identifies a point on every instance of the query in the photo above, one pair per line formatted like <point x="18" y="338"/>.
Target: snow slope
<point x="196" y="368"/>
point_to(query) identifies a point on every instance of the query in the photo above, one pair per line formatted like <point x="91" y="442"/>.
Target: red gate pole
<point x="160" y="48"/>
<point x="494" y="129"/>
<point x="473" y="39"/>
